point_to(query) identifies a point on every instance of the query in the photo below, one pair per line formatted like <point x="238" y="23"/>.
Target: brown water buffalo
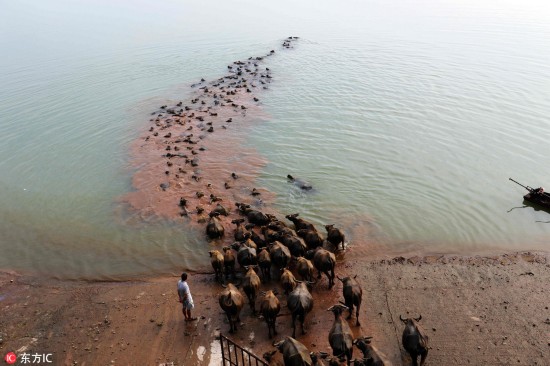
<point x="273" y="358"/>
<point x="300" y="303"/>
<point x="324" y="261"/>
<point x="340" y="336"/>
<point x="317" y="358"/>
<point x="254" y="216"/>
<point x="240" y="230"/>
<point x="264" y="261"/>
<point x="251" y="286"/>
<point x="335" y="236"/>
<point x="415" y="340"/>
<point x="311" y="237"/>
<point x="269" y="234"/>
<point x="260" y="242"/>
<point x="246" y="256"/>
<point x="231" y="302"/>
<point x="304" y="267"/>
<point x="288" y="281"/>
<point x="353" y="295"/>
<point x="280" y="255"/>
<point x="219" y="209"/>
<point x="229" y="261"/>
<point x="270" y="308"/>
<point x="214" y="228"/>
<point x="294" y="352"/>
<point x="371" y="356"/>
<point x="216" y="259"/>
<point x="299" y="223"/>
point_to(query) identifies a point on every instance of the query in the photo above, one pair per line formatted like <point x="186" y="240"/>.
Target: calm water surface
<point x="407" y="116"/>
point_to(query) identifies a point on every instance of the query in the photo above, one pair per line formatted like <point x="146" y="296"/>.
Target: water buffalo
<point x="302" y="184"/>
<point x="260" y="242"/>
<point x="251" y="286"/>
<point x="340" y="336"/>
<point x="299" y="223"/>
<point x="280" y="255"/>
<point x="270" y="235"/>
<point x="316" y="358"/>
<point x="214" y="229"/>
<point x="229" y="261"/>
<point x="294" y="352"/>
<point x="264" y="261"/>
<point x="231" y="302"/>
<point x="353" y="294"/>
<point x="219" y="209"/>
<point x="246" y="256"/>
<point x="324" y="261"/>
<point x="240" y="230"/>
<point x="300" y="303"/>
<point x="371" y="356"/>
<point x="216" y="259"/>
<point x="295" y="244"/>
<point x="415" y="340"/>
<point x="254" y="216"/>
<point x="270" y="308"/>
<point x="311" y="237"/>
<point x="272" y="359"/>
<point x="288" y="281"/>
<point x="335" y="236"/>
<point x="304" y="267"/>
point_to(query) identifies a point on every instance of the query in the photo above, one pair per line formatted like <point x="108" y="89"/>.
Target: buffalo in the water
<point x="300" y="223"/>
<point x="415" y="340"/>
<point x="335" y="236"/>
<point x="214" y="229"/>
<point x="302" y="184"/>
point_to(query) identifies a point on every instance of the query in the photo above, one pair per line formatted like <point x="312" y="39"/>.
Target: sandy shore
<point x="477" y="310"/>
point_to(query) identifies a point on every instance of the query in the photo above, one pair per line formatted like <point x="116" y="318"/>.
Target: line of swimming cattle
<point x="301" y="249"/>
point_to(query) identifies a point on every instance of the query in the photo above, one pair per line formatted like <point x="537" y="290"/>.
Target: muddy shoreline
<point x="490" y="310"/>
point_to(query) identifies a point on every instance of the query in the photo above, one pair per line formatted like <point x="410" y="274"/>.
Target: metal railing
<point x="235" y="355"/>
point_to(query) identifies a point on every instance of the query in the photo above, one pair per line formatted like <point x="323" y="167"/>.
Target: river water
<point x="408" y="117"/>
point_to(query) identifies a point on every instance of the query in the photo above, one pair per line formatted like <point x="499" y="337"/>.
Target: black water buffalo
<point x="371" y="356"/>
<point x="254" y="216"/>
<point x="335" y="236"/>
<point x="270" y="308"/>
<point x="272" y="358"/>
<point x="340" y="336"/>
<point x="295" y="244"/>
<point x="300" y="303"/>
<point x="280" y="255"/>
<point x="216" y="259"/>
<point x="214" y="228"/>
<point x="353" y="295"/>
<point x="219" y="209"/>
<point x="246" y="256"/>
<point x="240" y="230"/>
<point x="415" y="340"/>
<point x="294" y="352"/>
<point x="324" y="261"/>
<point x="300" y="223"/>
<point x="251" y="286"/>
<point x="231" y="301"/>
<point x="302" y="184"/>
<point x="311" y="237"/>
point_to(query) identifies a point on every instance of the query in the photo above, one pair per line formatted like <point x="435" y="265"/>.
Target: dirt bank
<point x="476" y="310"/>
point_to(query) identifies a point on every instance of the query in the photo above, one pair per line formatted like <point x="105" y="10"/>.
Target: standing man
<point x="185" y="297"/>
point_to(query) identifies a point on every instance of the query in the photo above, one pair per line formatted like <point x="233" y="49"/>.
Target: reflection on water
<point x="407" y="118"/>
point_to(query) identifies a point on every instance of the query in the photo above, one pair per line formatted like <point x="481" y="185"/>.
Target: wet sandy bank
<point x="482" y="310"/>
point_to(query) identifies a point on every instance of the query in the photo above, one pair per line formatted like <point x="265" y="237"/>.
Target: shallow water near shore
<point x="407" y="119"/>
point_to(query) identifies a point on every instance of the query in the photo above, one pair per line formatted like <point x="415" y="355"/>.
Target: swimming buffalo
<point x="415" y="340"/>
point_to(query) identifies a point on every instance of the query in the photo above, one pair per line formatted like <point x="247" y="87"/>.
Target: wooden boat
<point x="536" y="196"/>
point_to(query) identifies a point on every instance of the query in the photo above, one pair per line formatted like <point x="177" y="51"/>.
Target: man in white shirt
<point x="185" y="297"/>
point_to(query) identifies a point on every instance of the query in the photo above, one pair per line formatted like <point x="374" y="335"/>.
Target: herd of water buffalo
<point x="267" y="249"/>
